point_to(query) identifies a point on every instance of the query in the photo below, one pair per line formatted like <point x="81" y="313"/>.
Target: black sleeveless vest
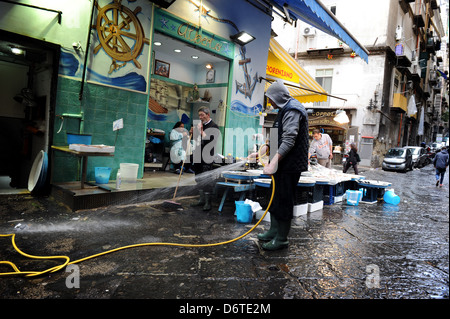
<point x="297" y="158"/>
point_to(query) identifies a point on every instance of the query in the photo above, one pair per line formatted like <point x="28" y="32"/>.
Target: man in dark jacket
<point x="205" y="137"/>
<point x="440" y="163"/>
<point x="286" y="165"/>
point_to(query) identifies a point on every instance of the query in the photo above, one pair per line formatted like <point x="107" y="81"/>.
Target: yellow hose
<point x="68" y="262"/>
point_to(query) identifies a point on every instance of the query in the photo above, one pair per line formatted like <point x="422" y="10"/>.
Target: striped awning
<point x="301" y="85"/>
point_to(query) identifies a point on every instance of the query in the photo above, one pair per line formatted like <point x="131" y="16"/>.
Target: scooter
<point x="430" y="156"/>
<point x="344" y="160"/>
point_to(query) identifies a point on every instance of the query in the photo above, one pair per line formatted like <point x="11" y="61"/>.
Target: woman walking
<point x="353" y="159"/>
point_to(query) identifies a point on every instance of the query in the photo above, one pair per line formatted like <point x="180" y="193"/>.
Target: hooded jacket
<point x="441" y="160"/>
<point x="292" y="124"/>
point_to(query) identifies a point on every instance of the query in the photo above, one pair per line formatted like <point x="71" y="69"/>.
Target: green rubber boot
<point x="207" y="205"/>
<point x="271" y="233"/>
<point x="280" y="241"/>
<point x="201" y="199"/>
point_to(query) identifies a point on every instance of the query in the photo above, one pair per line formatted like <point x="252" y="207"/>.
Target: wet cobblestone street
<point x="352" y="252"/>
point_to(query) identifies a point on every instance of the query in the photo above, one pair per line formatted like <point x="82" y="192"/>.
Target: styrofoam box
<point x="338" y="199"/>
<point x="92" y="148"/>
<point x="259" y="214"/>
<point x="312" y="207"/>
<point x="300" y="210"/>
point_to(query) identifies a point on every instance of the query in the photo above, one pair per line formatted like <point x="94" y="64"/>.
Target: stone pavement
<point x="352" y="252"/>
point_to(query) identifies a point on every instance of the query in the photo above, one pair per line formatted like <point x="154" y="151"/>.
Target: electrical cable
<point x="68" y="262"/>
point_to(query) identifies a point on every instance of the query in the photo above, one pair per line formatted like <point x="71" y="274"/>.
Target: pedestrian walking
<point x="322" y="145"/>
<point x="353" y="159"/>
<point x="440" y="163"/>
<point x="286" y="165"/>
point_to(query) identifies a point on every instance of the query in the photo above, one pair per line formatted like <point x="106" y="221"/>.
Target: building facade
<point x="398" y="98"/>
<point x="89" y="63"/>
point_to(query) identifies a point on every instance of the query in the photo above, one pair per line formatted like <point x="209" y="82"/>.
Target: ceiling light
<point x="17" y="51"/>
<point x="157" y="43"/>
<point x="242" y="38"/>
<point x="194" y="57"/>
<point x="177" y="50"/>
<point x="209" y="66"/>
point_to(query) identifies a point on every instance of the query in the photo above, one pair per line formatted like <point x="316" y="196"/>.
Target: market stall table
<point x="239" y="182"/>
<point x="84" y="156"/>
<point x="372" y="190"/>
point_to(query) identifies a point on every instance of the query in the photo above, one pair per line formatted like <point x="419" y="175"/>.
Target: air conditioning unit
<point x="398" y="33"/>
<point x="415" y="67"/>
<point x="309" y="32"/>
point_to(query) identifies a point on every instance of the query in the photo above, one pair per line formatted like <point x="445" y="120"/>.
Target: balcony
<point x="400" y="103"/>
<point x="415" y="71"/>
<point x="419" y="11"/>
<point x="432" y="79"/>
<point x="437" y="88"/>
<point x="434" y="4"/>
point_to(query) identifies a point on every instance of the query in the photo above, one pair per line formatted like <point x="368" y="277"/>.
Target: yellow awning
<point x="281" y="65"/>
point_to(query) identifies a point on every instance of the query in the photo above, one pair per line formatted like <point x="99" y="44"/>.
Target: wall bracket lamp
<point x="242" y="38"/>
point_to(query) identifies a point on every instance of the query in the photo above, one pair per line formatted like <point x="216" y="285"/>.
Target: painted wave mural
<point x="70" y="65"/>
<point x="239" y="106"/>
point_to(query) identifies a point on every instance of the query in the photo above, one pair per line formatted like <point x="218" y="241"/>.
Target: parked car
<point x="436" y="147"/>
<point x="419" y="156"/>
<point x="398" y="159"/>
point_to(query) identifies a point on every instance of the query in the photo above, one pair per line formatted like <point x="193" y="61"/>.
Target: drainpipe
<point x="86" y="51"/>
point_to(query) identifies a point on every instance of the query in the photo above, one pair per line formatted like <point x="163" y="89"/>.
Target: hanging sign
<point x="325" y="118"/>
<point x="183" y="30"/>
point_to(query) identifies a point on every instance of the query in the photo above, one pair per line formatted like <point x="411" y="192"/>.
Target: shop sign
<point x="188" y="32"/>
<point x="280" y="70"/>
<point x="325" y="119"/>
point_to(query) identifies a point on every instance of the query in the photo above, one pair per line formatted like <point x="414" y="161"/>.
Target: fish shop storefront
<point x="148" y="67"/>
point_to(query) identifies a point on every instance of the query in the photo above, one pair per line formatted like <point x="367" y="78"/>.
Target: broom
<point x="172" y="204"/>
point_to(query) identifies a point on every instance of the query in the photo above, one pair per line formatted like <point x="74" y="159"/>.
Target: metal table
<point x="84" y="156"/>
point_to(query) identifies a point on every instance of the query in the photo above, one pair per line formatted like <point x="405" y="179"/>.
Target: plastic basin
<point x="73" y="138"/>
<point x="102" y="175"/>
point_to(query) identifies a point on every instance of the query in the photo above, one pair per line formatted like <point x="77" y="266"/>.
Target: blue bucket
<point x="244" y="213"/>
<point x="73" y="138"/>
<point x="102" y="175"/>
<point x="391" y="198"/>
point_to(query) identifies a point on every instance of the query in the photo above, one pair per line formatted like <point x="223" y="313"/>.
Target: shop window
<point x="324" y="77"/>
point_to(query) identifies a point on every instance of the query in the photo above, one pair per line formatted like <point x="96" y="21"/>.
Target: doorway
<point x="28" y="69"/>
<point x="184" y="78"/>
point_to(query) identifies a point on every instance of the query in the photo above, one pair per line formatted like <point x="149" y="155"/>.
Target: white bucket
<point x="129" y="171"/>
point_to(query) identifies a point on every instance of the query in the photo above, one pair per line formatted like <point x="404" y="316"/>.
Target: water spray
<point x="66" y="260"/>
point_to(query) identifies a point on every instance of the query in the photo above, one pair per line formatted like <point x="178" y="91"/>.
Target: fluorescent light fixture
<point x="194" y="57"/>
<point x="242" y="38"/>
<point x="177" y="50"/>
<point x="341" y="117"/>
<point x="157" y="43"/>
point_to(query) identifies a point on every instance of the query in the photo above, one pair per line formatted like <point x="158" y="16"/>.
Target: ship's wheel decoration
<point x="120" y="34"/>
